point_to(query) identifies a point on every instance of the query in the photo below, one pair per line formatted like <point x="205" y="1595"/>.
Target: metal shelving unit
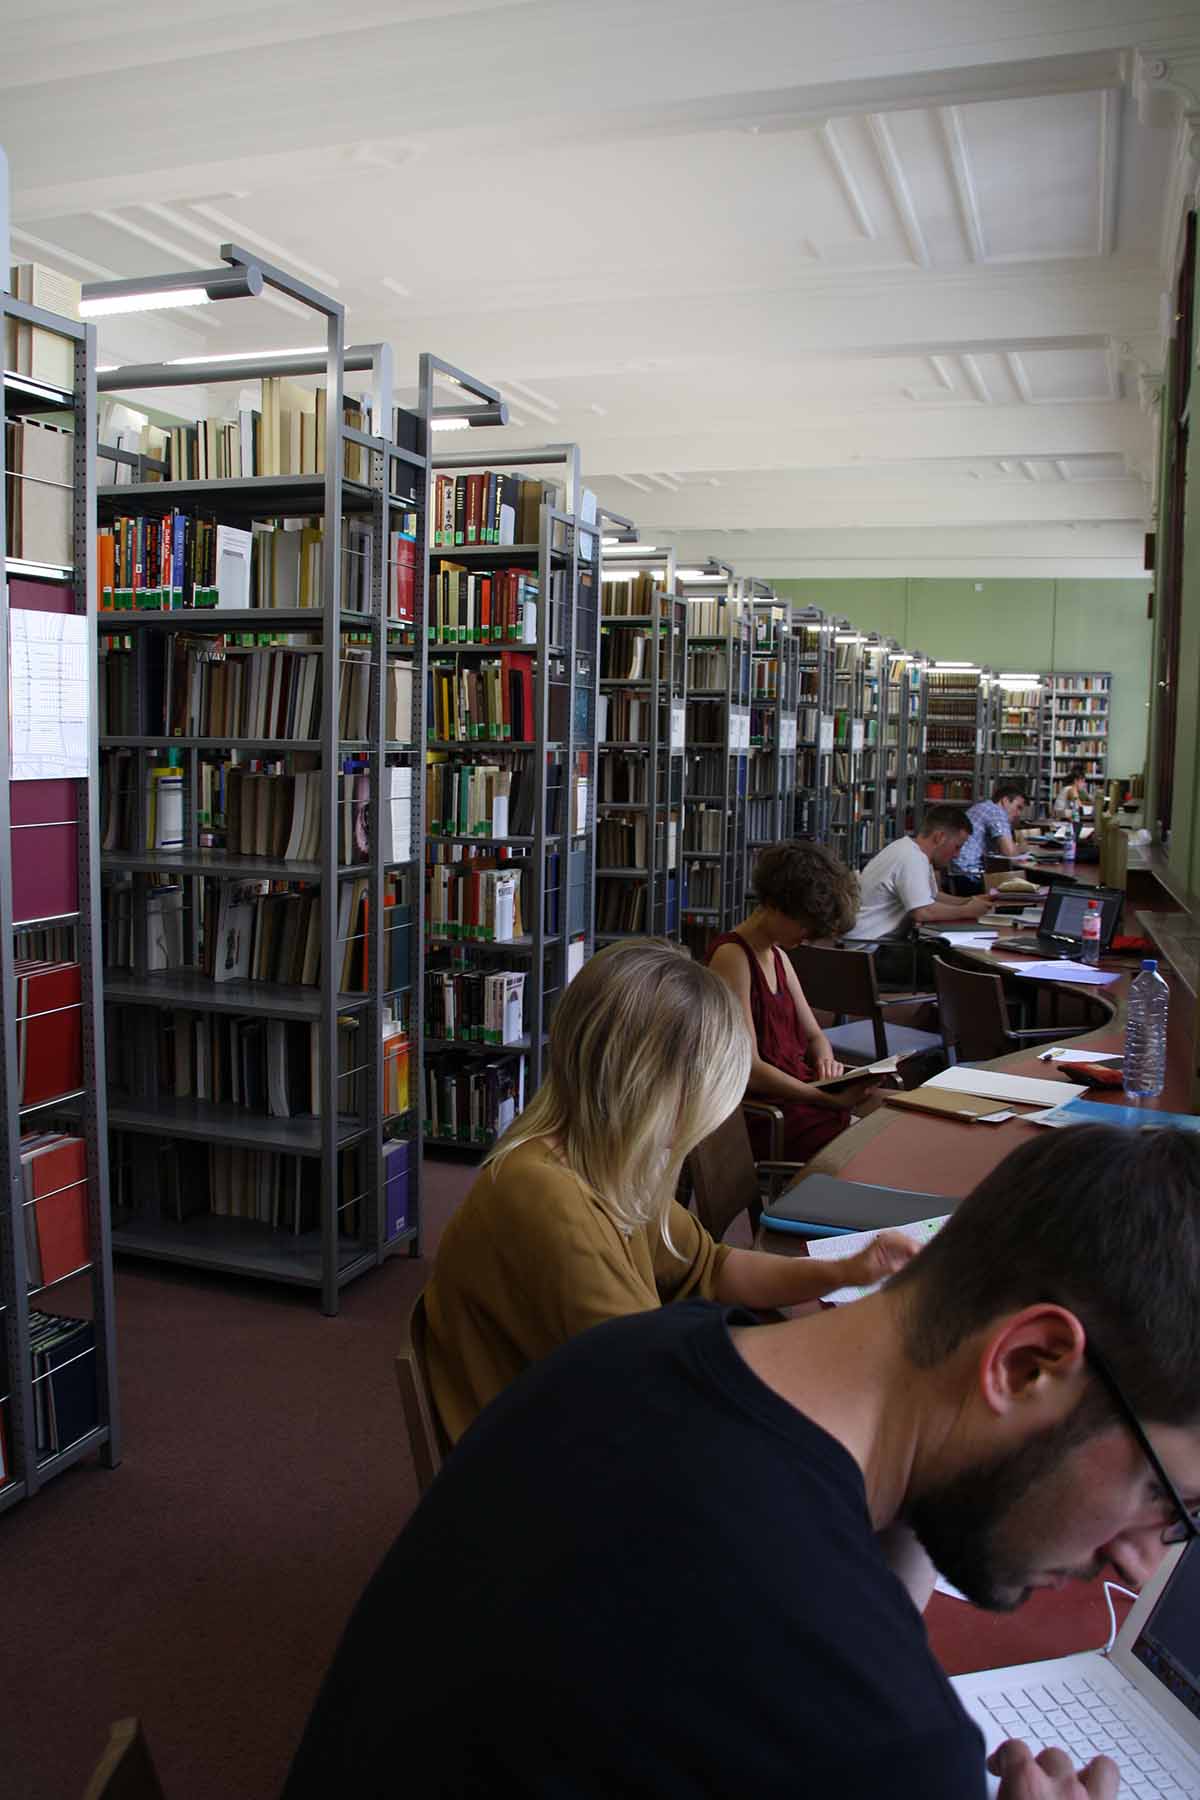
<point x="639" y="793"/>
<point x="314" y="1227"/>
<point x="1074" y="727"/>
<point x="875" y="656"/>
<point x="815" y="656"/>
<point x="718" y="746"/>
<point x="847" y="743"/>
<point x="557" y="860"/>
<point x="1018" y="729"/>
<point x="906" y="728"/>
<point x="86" y="1291"/>
<point x="956" y="723"/>
<point x="771" y="777"/>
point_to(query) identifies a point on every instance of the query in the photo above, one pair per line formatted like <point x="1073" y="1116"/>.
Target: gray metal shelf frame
<point x="395" y="494"/>
<point x="956" y="729"/>
<point x="771" y="774"/>
<point x="566" y="658"/>
<point x="1060" y="749"/>
<point x="875" y="654"/>
<point x="814" y="632"/>
<point x="1019" y="733"/>
<point x="909" y="698"/>
<point x="846" y="773"/>
<point x="663" y="751"/>
<point x="703" y="920"/>
<point x="27" y="1473"/>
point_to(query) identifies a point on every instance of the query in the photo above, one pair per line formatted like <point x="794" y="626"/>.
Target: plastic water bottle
<point x="1146" y="1034"/>
<point x="1068" y="854"/>
<point x="1091" y="934"/>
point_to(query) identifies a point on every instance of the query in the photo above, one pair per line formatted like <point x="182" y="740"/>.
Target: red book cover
<point x="56" y="1179"/>
<point x="45" y="848"/>
<point x="49" y="1030"/>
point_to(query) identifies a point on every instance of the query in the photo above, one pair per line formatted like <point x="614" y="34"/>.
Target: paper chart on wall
<point x="48" y="695"/>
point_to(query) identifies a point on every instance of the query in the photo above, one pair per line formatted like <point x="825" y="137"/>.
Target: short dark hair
<point x="1077" y="772"/>
<point x="806" y="881"/>
<point x="1102" y="1220"/>
<point x="1009" y="790"/>
<point x="945" y="818"/>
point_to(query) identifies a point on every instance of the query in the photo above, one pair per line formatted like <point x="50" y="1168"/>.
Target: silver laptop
<point x="1140" y="1705"/>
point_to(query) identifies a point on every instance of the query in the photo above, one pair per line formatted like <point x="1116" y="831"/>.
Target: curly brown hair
<point x="808" y="882"/>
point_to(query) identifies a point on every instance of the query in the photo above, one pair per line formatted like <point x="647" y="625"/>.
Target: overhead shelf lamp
<point x="188" y="287"/>
<point x="459" y="418"/>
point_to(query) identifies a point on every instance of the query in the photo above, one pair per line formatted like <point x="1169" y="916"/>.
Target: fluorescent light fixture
<point x="150" y="293"/>
<point x="245" y="355"/>
<point x="697" y="575"/>
<point x="634" y="568"/>
<point x="962" y="667"/>
<point x="457" y="418"/>
<point x="1019" y="680"/>
<point x="619" y="547"/>
<point x="848" y="637"/>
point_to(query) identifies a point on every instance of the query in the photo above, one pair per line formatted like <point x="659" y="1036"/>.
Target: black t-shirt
<point x="641" y="1573"/>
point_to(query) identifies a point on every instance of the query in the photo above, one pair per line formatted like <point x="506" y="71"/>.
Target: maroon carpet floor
<point x="203" y="1584"/>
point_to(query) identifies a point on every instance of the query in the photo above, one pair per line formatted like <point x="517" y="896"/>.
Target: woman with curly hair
<point x="804" y="892"/>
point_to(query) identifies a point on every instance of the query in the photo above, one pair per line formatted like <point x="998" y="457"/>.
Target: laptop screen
<point x="1065" y="908"/>
<point x="1169" y="1642"/>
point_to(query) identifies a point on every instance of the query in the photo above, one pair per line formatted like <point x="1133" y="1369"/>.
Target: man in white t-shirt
<point x="900" y="886"/>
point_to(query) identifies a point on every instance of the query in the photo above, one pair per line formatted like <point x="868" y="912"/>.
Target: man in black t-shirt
<point x="651" y="1567"/>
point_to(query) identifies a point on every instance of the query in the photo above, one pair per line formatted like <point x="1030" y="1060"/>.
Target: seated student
<point x="1074" y="794"/>
<point x="651" y="1568"/>
<point x="900" y="889"/>
<point x="572" y="1218"/>
<point x="992" y="825"/>
<point x="804" y="892"/>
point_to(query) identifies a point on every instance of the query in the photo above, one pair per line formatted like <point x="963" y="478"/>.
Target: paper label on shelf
<point x="856" y="734"/>
<point x="48" y="695"/>
<point x="825" y="740"/>
<point x="678" y="724"/>
<point x="787" y="734"/>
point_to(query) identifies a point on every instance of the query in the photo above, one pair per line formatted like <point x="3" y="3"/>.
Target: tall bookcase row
<point x="511" y="769"/>
<point x="58" y="1375"/>
<point x="1074" y="727"/>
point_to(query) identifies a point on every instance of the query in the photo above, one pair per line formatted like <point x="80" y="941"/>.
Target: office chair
<point x="726" y="1180"/>
<point x="973" y="1011"/>
<point x="125" y="1770"/>
<point x="427" y="1439"/>
<point x="843" y="982"/>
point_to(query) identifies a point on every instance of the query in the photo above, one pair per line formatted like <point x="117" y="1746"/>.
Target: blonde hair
<point x="648" y="1054"/>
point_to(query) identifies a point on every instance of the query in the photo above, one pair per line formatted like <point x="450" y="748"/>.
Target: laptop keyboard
<point x="1087" y="1721"/>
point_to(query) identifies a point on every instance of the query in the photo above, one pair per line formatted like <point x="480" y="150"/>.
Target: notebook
<point x="828" y="1206"/>
<point x="951" y="1106"/>
<point x="998" y="1084"/>
<point x="1140" y="1705"/>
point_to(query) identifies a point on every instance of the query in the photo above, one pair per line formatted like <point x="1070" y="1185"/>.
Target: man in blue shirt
<point x="992" y="823"/>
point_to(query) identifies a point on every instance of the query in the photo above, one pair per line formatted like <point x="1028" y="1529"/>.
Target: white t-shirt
<point x="894" y="884"/>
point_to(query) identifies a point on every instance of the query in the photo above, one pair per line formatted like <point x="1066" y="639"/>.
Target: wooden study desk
<point x="948" y="1157"/>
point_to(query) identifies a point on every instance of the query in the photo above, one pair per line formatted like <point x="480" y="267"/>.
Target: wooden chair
<point x="126" y="1770"/>
<point x="973" y="1010"/>
<point x="426" y="1436"/>
<point x="843" y="982"/>
<point x="727" y="1181"/>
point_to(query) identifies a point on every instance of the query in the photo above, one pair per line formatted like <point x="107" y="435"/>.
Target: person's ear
<point x="1032" y="1364"/>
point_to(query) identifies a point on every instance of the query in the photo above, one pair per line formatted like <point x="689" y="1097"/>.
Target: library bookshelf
<point x="58" y="1369"/>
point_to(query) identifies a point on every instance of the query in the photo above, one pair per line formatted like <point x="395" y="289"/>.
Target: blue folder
<point x="827" y="1206"/>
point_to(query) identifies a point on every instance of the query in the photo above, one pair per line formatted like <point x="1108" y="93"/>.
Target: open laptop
<point x="1140" y="1705"/>
<point x="1060" y="929"/>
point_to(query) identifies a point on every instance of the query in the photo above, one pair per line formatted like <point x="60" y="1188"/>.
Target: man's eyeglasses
<point x="1187" y="1524"/>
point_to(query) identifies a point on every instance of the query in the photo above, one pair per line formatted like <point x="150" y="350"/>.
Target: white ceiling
<point x="867" y="284"/>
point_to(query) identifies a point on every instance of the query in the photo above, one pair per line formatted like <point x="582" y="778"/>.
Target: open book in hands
<point x="873" y="1072"/>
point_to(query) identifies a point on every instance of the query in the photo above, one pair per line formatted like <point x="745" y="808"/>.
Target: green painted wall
<point x="1042" y="625"/>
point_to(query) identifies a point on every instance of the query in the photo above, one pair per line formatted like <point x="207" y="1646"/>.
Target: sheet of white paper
<point x="1054" y="1116"/>
<point x="48" y="694"/>
<point x="831" y="1248"/>
<point x="1059" y="1054"/>
<point x="1065" y="971"/>
<point x="942" y="1586"/>
<point x="974" y="940"/>
<point x="991" y="1084"/>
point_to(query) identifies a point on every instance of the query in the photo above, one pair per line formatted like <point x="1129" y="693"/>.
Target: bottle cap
<point x="1149" y="962"/>
<point x="1093" y="905"/>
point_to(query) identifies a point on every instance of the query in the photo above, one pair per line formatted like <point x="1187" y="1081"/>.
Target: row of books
<point x="397" y="1062"/>
<point x="633" y="596"/>
<point x="707" y="668"/>
<point x="180" y="561"/>
<point x="491" y="700"/>
<point x="483" y="799"/>
<point x="39" y="463"/>
<point x="474" y="900"/>
<point x="620" y="906"/>
<point x="201" y="687"/>
<point x="764" y="678"/>
<point x="489" y="507"/>
<point x="704" y="829"/>
<point x="715" y="617"/>
<point x="482" y="606"/>
<point x="169" y="1182"/>
<point x="629" y="655"/>
<point x="62" y="1355"/>
<point x="475" y="1006"/>
<point x="622" y="842"/>
<point x="703" y="886"/>
<point x="624" y="778"/>
<point x="49" y="1029"/>
<point x="283" y="435"/>
<point x="760" y="819"/>
<point x="54" y="1206"/>
<point x="266" y="1066"/>
<point x="471" y="1102"/>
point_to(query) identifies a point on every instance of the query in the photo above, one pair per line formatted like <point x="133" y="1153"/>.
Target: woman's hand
<point x="820" y="1055"/>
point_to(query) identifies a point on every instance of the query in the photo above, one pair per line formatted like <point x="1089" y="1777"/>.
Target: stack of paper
<point x="996" y="1084"/>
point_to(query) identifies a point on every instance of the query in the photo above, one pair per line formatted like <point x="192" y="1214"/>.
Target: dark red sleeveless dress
<point x="806" y="1129"/>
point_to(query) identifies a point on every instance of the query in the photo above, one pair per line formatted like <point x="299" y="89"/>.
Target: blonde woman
<point x="572" y="1218"/>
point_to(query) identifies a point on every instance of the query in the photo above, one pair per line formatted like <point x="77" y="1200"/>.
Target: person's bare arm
<point x="766" y="1080"/>
<point x="951" y="908"/>
<point x="757" y="1279"/>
